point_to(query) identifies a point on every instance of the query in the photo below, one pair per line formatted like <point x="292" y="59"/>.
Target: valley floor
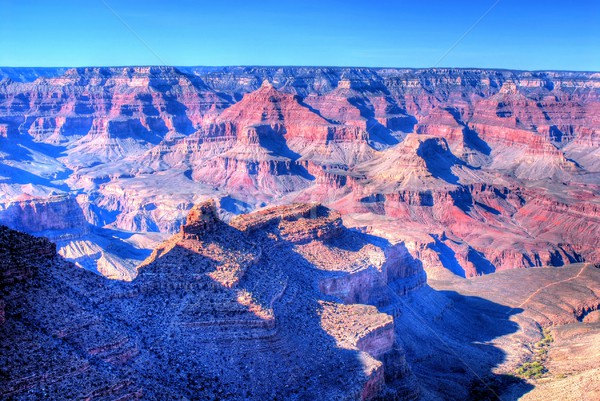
<point x="494" y="329"/>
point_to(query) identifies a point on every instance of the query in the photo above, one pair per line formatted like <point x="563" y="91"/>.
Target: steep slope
<point x="55" y="341"/>
<point x="284" y="302"/>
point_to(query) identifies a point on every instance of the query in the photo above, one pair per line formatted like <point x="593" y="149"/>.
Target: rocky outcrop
<point x="201" y="219"/>
<point x="295" y="245"/>
<point x="202" y="306"/>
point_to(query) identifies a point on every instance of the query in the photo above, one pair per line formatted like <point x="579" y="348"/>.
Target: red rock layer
<point x="410" y="149"/>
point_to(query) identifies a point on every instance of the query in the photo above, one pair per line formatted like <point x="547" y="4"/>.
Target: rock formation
<point x="283" y="302"/>
<point x="265" y="306"/>
<point x="480" y="170"/>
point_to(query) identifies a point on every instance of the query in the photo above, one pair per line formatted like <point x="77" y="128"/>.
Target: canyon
<point x="226" y="307"/>
<point x="299" y="233"/>
<point x="287" y="303"/>
<point x="479" y="170"/>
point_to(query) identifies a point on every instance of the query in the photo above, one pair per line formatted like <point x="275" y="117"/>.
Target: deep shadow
<point x="177" y="294"/>
<point x="463" y="199"/>
<point x="475" y="142"/>
<point x="439" y="161"/>
<point x="379" y="134"/>
<point x="232" y="205"/>
<point x="472" y="137"/>
<point x="482" y="265"/>
<point x="405" y="124"/>
<point x="175" y="332"/>
<point x="181" y="122"/>
<point x="461" y="328"/>
<point x="448" y="257"/>
<point x="447" y="338"/>
<point x="272" y="138"/>
<point x="318" y="112"/>
<point x="488" y="209"/>
<point x="179" y="330"/>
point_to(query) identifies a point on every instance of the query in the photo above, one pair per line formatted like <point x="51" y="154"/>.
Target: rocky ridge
<point x="286" y="296"/>
<point x="231" y="305"/>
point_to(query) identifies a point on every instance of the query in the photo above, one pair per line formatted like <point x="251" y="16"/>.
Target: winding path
<point x="551" y="284"/>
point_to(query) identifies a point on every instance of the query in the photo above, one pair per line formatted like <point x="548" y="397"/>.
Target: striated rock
<point x="54" y="342"/>
<point x="21" y="253"/>
<point x="137" y="147"/>
<point x="218" y="315"/>
<point x="202" y="218"/>
<point x="60" y="214"/>
<point x="274" y="246"/>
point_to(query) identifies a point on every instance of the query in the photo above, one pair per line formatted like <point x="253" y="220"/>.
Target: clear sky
<point x="519" y="34"/>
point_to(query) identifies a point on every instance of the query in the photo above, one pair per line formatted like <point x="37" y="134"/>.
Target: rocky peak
<point x="211" y="302"/>
<point x="268" y="106"/>
<point x="202" y="218"/>
<point x="266" y="84"/>
<point x="428" y="145"/>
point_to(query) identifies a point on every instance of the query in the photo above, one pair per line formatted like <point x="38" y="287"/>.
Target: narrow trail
<point x="536" y="292"/>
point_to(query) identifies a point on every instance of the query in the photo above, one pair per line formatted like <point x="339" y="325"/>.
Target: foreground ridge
<point x="285" y="301"/>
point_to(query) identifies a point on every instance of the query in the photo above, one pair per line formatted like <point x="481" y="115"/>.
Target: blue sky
<point x="563" y="35"/>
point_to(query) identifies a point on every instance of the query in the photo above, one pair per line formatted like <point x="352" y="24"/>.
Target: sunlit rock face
<point x="474" y="170"/>
<point x="239" y="311"/>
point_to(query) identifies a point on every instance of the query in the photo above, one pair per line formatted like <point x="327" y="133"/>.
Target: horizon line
<point x="298" y="66"/>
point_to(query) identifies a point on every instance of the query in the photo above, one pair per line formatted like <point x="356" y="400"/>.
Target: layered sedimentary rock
<point x="60" y="214"/>
<point x="185" y="328"/>
<point x="486" y="169"/>
<point x="217" y="311"/>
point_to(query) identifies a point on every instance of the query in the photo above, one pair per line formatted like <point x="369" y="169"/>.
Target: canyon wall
<point x="484" y="169"/>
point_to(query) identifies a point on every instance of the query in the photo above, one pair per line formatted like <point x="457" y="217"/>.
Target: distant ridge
<point x="30" y="74"/>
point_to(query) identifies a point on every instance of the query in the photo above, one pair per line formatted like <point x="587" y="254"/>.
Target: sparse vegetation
<point x="536" y="368"/>
<point x="531" y="370"/>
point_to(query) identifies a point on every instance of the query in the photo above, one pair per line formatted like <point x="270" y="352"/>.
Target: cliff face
<point x="233" y="311"/>
<point x="60" y="214"/>
<point x="482" y="166"/>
